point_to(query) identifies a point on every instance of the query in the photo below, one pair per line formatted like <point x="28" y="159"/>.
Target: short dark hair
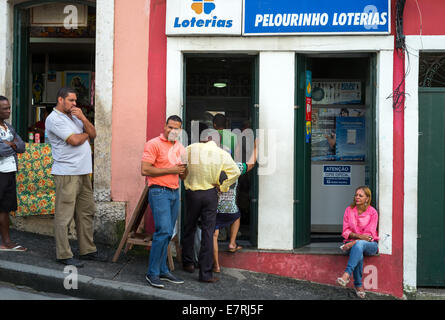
<point x="202" y="127"/>
<point x="174" y="118"/>
<point x="3" y="98"/>
<point x="64" y="92"/>
<point x="219" y="120"/>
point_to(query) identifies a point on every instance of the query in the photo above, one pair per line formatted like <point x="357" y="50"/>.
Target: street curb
<point x="430" y="294"/>
<point x="49" y="280"/>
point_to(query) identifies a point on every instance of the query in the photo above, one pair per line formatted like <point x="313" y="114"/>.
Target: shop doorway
<point x="335" y="151"/>
<point x="431" y="177"/>
<point x="54" y="46"/>
<point x="431" y="188"/>
<point x="227" y="85"/>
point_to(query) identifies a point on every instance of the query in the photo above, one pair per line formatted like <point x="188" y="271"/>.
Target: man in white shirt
<point x="10" y="145"/>
<point x="69" y="132"/>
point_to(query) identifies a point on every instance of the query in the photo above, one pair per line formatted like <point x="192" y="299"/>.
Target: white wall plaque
<point x="59" y="15"/>
<point x="199" y="17"/>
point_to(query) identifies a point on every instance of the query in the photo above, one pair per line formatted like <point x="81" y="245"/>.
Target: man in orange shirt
<point x="161" y="163"/>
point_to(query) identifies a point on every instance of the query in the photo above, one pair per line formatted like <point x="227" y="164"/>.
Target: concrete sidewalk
<point x="125" y="279"/>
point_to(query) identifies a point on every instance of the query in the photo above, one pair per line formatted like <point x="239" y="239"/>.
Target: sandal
<point x="216" y="270"/>
<point x="233" y="250"/>
<point x="13" y="247"/>
<point x="361" y="294"/>
<point x="342" y="282"/>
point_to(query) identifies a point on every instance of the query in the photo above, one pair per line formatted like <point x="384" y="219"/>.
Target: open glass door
<point x="20" y="99"/>
<point x="254" y="114"/>
<point x="302" y="172"/>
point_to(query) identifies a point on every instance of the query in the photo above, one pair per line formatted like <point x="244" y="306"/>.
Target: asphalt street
<point x="125" y="279"/>
<point x="9" y="291"/>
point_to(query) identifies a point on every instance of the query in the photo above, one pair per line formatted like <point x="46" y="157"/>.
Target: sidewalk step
<point x="55" y="281"/>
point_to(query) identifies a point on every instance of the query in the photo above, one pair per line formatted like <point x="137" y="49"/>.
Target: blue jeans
<point x="164" y="205"/>
<point x="355" y="262"/>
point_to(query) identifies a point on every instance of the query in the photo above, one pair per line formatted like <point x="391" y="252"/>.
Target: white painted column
<point x="384" y="126"/>
<point x="103" y="99"/>
<point x="3" y="39"/>
<point x="6" y="48"/>
<point x="174" y="79"/>
<point x="415" y="45"/>
<point x="276" y="118"/>
<point x="411" y="169"/>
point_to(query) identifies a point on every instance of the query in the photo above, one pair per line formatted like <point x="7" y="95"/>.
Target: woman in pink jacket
<point x="361" y="238"/>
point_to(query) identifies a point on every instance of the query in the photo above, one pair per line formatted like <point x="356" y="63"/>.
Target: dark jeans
<point x="355" y="263"/>
<point x="164" y="203"/>
<point x="200" y="204"/>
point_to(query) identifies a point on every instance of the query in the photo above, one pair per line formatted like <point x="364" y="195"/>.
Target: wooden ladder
<point x="133" y="237"/>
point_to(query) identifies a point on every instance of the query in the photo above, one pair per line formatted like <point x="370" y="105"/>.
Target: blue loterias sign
<point x="273" y="17"/>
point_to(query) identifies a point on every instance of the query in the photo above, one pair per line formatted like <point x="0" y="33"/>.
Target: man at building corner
<point x="69" y="132"/>
<point x="162" y="164"/>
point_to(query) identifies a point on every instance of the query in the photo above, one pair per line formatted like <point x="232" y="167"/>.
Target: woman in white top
<point x="10" y="145"/>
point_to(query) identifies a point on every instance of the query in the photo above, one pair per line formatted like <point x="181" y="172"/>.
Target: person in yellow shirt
<point x="206" y="161"/>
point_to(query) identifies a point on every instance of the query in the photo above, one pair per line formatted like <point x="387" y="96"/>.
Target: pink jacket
<point x="366" y="223"/>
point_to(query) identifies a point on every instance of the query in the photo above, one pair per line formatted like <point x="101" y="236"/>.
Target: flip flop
<point x="216" y="270"/>
<point x="361" y="294"/>
<point x="233" y="250"/>
<point x="16" y="248"/>
<point x="342" y="282"/>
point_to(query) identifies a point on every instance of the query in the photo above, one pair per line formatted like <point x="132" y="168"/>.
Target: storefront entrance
<point x="431" y="190"/>
<point x="227" y="85"/>
<point x="431" y="177"/>
<point x="335" y="151"/>
<point x="54" y="47"/>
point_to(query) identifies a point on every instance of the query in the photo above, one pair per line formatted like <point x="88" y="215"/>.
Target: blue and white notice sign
<point x="336" y="175"/>
<point x="279" y="17"/>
